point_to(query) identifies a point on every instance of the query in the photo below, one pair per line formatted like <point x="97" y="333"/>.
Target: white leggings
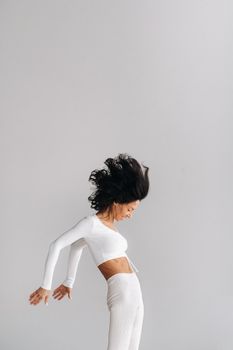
<point x="125" y="303"/>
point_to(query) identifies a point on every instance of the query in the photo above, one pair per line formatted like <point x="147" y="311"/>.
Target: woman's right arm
<point x="79" y="230"/>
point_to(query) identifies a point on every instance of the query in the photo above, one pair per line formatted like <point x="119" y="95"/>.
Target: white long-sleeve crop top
<point x="103" y="242"/>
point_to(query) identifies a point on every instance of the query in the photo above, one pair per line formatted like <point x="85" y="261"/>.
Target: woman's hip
<point x="124" y="288"/>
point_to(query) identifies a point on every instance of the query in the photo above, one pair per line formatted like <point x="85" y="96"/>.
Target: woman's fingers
<point x="37" y="296"/>
<point x="36" y="299"/>
<point x="58" y="295"/>
<point x="46" y="300"/>
<point x="59" y="292"/>
<point x="32" y="295"/>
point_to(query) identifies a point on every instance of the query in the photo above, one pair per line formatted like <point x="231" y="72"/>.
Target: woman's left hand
<point x="61" y="291"/>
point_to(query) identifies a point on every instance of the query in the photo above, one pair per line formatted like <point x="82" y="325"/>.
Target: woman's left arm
<point x="75" y="254"/>
<point x="79" y="230"/>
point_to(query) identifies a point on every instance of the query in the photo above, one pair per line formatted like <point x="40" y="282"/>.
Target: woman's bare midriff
<point x="113" y="266"/>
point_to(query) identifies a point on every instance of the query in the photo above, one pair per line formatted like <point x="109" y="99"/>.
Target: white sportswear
<point x="103" y="242"/>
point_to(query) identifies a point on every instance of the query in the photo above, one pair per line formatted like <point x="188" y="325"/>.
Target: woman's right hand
<point x="39" y="295"/>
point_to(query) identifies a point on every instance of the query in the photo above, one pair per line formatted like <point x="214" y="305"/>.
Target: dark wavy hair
<point x="123" y="182"/>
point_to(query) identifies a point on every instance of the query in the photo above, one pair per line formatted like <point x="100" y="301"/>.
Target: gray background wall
<point x="85" y="80"/>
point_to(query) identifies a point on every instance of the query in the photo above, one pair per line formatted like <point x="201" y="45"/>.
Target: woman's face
<point x="123" y="211"/>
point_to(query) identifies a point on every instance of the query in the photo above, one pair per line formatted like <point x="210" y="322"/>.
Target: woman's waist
<point x="116" y="265"/>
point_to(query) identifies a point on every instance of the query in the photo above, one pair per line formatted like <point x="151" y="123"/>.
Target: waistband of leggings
<point x="122" y="275"/>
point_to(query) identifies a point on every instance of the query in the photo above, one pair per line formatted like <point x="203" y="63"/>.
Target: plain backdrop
<point x="81" y="81"/>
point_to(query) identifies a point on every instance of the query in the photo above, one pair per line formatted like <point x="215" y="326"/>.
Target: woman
<point x="118" y="193"/>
